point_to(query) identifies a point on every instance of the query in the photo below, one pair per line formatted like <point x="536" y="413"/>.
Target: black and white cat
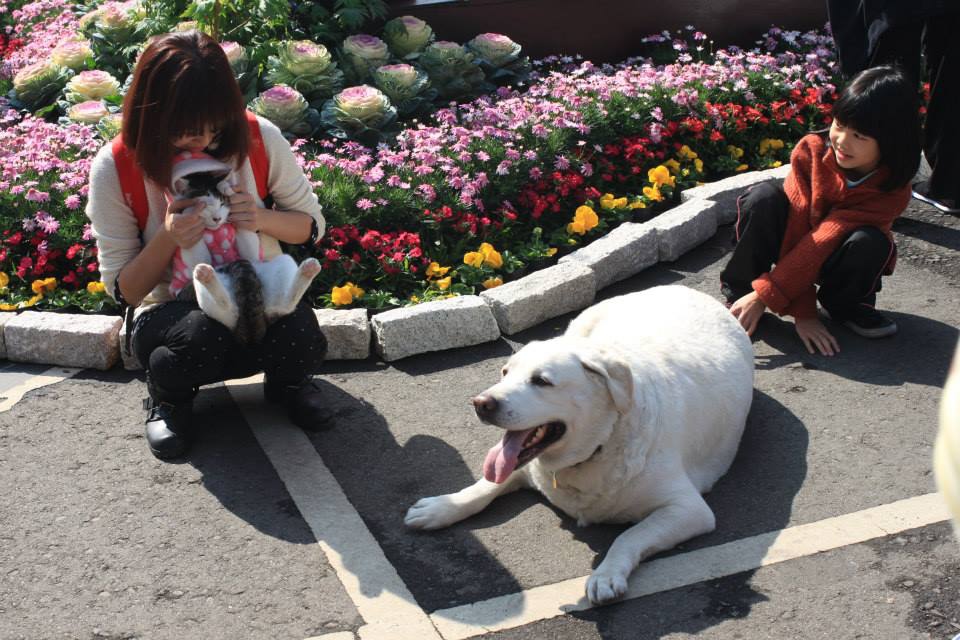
<point x="248" y="294"/>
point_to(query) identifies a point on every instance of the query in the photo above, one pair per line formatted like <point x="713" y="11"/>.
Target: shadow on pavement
<point x="755" y="496"/>
<point x="916" y="354"/>
<point x="383" y="477"/>
<point x="237" y="472"/>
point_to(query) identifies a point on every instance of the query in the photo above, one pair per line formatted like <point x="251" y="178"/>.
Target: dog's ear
<point x="615" y="371"/>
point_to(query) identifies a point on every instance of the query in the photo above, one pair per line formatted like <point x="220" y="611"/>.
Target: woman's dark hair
<point x="181" y="84"/>
<point x="882" y="103"/>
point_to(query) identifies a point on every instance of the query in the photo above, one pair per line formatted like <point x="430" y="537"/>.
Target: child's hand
<point x="815" y="334"/>
<point x="244" y="213"/>
<point x="185" y="227"/>
<point x="748" y="310"/>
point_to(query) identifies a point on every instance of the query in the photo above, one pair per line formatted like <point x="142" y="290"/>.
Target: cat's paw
<point x="204" y="274"/>
<point x="310" y="267"/>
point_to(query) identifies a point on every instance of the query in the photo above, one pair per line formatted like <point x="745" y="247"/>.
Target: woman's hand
<point x="185" y="227"/>
<point x="244" y="212"/>
<point x="748" y="310"/>
<point x="815" y="334"/>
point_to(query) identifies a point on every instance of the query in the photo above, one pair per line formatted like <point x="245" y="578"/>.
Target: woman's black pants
<point x="850" y="276"/>
<point x="181" y="349"/>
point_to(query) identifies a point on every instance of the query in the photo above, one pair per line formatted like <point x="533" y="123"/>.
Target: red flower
<point x="15" y="239"/>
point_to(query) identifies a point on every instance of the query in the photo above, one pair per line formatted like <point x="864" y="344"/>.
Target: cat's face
<point x="215" y="210"/>
<point x="203" y="187"/>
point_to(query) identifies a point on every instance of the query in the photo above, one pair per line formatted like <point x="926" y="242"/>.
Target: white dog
<point x="629" y="416"/>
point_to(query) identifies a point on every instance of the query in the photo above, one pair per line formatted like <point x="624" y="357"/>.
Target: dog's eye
<point x="503" y="371"/>
<point x="540" y="381"/>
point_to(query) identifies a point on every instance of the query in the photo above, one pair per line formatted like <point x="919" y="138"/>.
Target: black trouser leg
<point x="851" y="275"/>
<point x="182" y="348"/>
<point x="941" y="134"/>
<point x="761" y="223"/>
<point x="292" y="349"/>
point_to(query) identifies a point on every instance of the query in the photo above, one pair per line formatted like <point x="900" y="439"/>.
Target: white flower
<point x="89" y="112"/>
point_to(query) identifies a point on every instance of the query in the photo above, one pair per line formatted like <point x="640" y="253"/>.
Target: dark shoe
<point x="867" y="322"/>
<point x="168" y="428"/>
<point x="946" y="205"/>
<point x="302" y="401"/>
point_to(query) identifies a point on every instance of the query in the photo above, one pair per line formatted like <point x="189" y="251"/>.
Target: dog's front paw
<point x="604" y="586"/>
<point x="432" y="513"/>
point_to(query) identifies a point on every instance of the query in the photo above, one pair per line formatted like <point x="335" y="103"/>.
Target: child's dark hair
<point x="882" y="103"/>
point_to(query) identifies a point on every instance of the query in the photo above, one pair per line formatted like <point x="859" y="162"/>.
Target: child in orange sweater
<point x="829" y="225"/>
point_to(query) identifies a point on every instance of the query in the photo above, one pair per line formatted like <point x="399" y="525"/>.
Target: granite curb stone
<point x="69" y="340"/>
<point x="433" y="326"/>
<point x="347" y="331"/>
<point x="684" y="227"/>
<point x="542" y="295"/>
<point x="625" y="251"/>
<point x="724" y="192"/>
<point x="4" y="319"/>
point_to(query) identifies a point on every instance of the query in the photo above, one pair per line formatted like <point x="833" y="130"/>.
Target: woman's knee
<point x="298" y="333"/>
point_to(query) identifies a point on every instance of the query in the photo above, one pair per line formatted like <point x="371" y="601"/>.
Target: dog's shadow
<point x="755" y="496"/>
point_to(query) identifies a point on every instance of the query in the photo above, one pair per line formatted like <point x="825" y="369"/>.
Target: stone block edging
<point x="92" y="341"/>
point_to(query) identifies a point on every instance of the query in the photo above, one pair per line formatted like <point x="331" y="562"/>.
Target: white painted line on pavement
<point x="380" y="596"/>
<point x="13" y="395"/>
<point x="540" y="603"/>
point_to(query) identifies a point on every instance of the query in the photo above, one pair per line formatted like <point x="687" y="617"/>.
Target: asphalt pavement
<point x="264" y="531"/>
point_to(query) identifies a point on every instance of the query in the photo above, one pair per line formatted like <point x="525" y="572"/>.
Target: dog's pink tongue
<point x="502" y="458"/>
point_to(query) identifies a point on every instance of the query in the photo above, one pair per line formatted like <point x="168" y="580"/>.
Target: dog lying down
<point x="629" y="416"/>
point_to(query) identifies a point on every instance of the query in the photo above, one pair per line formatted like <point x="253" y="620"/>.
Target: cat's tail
<point x="252" y="323"/>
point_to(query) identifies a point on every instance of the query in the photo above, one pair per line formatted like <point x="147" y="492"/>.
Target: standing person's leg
<point x="180" y="348"/>
<point x="850" y="279"/>
<point x="761" y="223"/>
<point x="942" y="127"/>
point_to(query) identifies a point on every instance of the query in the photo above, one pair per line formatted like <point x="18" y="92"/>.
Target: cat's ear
<point x="227" y="185"/>
<point x="180" y="185"/>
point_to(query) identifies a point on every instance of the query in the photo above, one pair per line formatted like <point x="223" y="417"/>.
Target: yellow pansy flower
<point x="355" y="291"/>
<point x="444" y="283"/>
<point x="653" y="193"/>
<point x="4" y="280"/>
<point x="698" y="165"/>
<point x="341" y="295"/>
<point x="584" y="219"/>
<point x="777" y="163"/>
<point x="435" y="270"/>
<point x="473" y="258"/>
<point x="743" y="167"/>
<point x="606" y="201"/>
<point x="7" y="307"/>
<point x="638" y="204"/>
<point x="491" y="257"/>
<point x="552" y="251"/>
<point x="32" y="301"/>
<point x="735" y="152"/>
<point x="673" y="165"/>
<point x="414" y="299"/>
<point x="43" y="286"/>
<point x="490" y="283"/>
<point x="687" y="153"/>
<point x="96" y="287"/>
<point x="660" y="176"/>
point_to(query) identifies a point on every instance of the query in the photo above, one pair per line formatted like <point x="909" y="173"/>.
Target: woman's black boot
<point x="168" y="421"/>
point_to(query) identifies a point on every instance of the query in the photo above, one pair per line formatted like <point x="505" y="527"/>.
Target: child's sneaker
<point x="868" y="322"/>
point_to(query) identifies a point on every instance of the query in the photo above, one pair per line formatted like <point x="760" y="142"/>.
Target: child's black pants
<point x="182" y="349"/>
<point x="849" y="277"/>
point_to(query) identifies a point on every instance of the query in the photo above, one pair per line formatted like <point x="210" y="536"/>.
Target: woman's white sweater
<point x="115" y="226"/>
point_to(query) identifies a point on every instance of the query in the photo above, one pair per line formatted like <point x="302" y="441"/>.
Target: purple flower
<point x="365" y="203"/>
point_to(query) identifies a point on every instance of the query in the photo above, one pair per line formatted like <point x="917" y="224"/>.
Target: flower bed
<point x="471" y="197"/>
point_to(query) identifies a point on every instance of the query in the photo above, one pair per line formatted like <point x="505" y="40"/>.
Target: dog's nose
<point x="485" y="406"/>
